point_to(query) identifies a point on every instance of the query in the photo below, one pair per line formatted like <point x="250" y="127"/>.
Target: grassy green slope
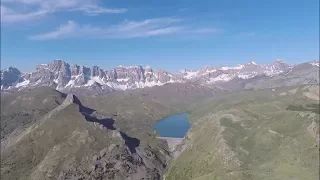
<point x="253" y="135"/>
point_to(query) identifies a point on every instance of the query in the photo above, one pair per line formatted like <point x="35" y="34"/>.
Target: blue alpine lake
<point x="173" y="126"/>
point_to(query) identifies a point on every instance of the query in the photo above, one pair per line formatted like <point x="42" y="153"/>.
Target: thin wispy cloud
<point x="183" y="9"/>
<point x="96" y="10"/>
<point x="205" y="30"/>
<point x="10" y="16"/>
<point x="63" y="31"/>
<point x="125" y="29"/>
<point x="247" y="34"/>
<point x="11" y="9"/>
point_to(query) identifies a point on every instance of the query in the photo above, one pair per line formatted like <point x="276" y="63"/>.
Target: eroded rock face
<point x="118" y="163"/>
<point x="124" y="160"/>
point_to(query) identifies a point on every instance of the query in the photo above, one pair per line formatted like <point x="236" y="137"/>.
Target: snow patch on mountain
<point x="272" y="73"/>
<point x="22" y="84"/>
<point x="90" y="82"/>
<point x="117" y="86"/>
<point x="71" y="83"/>
<point x="222" y="77"/>
<point x="190" y="74"/>
<point x="98" y="80"/>
<point x="208" y="71"/>
<point x="245" y="76"/>
<point x="152" y="83"/>
<point x="127" y="67"/>
<point x="123" y="79"/>
<point x="227" y="67"/>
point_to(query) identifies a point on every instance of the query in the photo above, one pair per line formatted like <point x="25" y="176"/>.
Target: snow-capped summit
<point x="314" y="63"/>
<point x="63" y="76"/>
<point x="242" y="71"/>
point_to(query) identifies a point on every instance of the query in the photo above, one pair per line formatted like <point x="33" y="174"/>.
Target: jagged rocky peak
<point x="10" y="76"/>
<point x="280" y="61"/>
<point x="96" y="71"/>
<point x="57" y="65"/>
<point x="252" y="63"/>
<point x="75" y="70"/>
<point x="133" y="73"/>
<point x="280" y="64"/>
<point x="11" y="71"/>
<point x="70" y="99"/>
<point x="148" y="68"/>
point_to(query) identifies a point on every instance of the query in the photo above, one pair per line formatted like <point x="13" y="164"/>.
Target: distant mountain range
<point x="63" y="76"/>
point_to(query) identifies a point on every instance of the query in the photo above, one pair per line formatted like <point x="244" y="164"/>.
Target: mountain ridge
<point x="61" y="75"/>
<point x="73" y="141"/>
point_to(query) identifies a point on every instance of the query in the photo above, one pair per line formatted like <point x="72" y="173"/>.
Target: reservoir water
<point x="173" y="126"/>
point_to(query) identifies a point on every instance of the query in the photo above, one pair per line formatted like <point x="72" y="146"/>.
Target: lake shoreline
<point x="174" y="126"/>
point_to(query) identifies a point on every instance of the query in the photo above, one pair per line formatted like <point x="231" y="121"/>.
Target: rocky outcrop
<point x="75" y="142"/>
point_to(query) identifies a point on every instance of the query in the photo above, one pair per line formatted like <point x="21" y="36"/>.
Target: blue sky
<point x="166" y="34"/>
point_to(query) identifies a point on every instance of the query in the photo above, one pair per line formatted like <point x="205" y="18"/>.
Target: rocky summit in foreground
<point x="66" y="140"/>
